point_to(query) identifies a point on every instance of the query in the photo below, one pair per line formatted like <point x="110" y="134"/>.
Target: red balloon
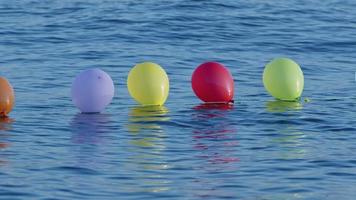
<point x="213" y="83"/>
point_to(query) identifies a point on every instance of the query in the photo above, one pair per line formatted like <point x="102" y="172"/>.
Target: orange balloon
<point x="7" y="97"/>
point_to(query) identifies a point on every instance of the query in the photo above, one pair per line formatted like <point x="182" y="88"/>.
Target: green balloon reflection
<point x="283" y="106"/>
<point x="288" y="141"/>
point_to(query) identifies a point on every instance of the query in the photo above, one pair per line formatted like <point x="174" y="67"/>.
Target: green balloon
<point x="283" y="79"/>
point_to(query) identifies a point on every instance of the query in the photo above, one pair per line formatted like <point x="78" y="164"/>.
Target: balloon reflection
<point x="212" y="110"/>
<point x="282" y="106"/>
<point x="5" y="125"/>
<point x="214" y="137"/>
<point x="288" y="139"/>
<point x="89" y="128"/>
<point x="289" y="142"/>
<point x="88" y="134"/>
<point x="214" y="106"/>
<point x="214" y="133"/>
<point x="147" y="146"/>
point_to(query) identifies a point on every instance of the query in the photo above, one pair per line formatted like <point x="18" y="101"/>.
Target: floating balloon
<point x="213" y="83"/>
<point x="7" y="97"/>
<point x="148" y="84"/>
<point x="92" y="91"/>
<point x="283" y="79"/>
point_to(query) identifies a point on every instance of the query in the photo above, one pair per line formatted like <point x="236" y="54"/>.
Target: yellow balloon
<point x="148" y="84"/>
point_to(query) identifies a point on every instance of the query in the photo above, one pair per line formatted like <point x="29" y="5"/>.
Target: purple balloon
<point x="92" y="90"/>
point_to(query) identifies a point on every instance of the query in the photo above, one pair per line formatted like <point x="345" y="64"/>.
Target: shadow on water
<point x="5" y="126"/>
<point x="215" y="143"/>
<point x="288" y="136"/>
<point x="146" y="148"/>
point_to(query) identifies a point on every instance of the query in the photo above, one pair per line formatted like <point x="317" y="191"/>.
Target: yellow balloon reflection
<point x="147" y="145"/>
<point x="145" y="119"/>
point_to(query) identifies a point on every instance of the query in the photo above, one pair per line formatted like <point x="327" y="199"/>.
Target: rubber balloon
<point x="148" y="84"/>
<point x="283" y="79"/>
<point x="92" y="91"/>
<point x="7" y="97"/>
<point x="213" y="83"/>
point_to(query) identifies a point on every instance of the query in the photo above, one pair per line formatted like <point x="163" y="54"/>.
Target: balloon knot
<point x="3" y="115"/>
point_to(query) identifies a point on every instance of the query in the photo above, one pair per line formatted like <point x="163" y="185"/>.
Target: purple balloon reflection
<point x="89" y="128"/>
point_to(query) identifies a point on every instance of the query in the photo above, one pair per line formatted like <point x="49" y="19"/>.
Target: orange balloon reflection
<point x="5" y="125"/>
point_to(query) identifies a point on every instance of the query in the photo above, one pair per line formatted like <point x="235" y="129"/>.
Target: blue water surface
<point x="258" y="148"/>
